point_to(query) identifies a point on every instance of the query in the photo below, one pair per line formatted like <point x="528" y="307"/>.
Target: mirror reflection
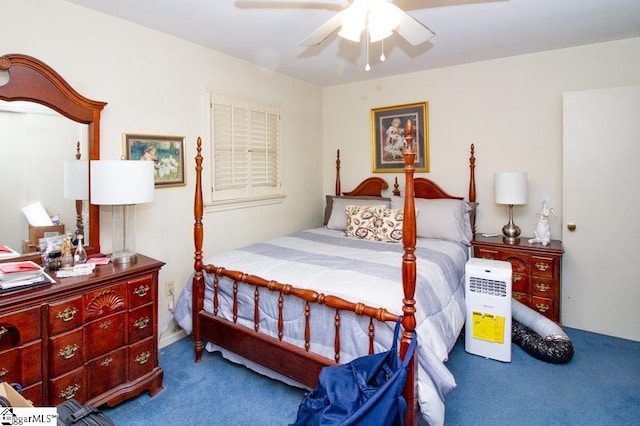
<point x="36" y="141"/>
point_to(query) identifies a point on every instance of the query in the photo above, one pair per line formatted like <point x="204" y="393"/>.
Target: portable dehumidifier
<point x="488" y="314"/>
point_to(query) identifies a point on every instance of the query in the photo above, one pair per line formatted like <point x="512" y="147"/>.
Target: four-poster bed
<point x="232" y="309"/>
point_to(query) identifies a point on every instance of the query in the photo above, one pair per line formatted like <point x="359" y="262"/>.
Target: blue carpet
<point x="600" y="386"/>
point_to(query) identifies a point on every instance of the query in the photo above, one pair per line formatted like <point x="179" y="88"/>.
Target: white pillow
<point x="443" y="218"/>
<point x="337" y="206"/>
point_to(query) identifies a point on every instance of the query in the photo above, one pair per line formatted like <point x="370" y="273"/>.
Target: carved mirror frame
<point x="32" y="80"/>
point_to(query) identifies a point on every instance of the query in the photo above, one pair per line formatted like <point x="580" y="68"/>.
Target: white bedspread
<point x="359" y="271"/>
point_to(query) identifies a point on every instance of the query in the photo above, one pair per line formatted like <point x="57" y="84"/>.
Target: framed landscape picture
<point x="388" y="138"/>
<point x="166" y="152"/>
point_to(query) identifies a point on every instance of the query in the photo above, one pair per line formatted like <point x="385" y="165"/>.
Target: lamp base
<point x="511" y="232"/>
<point x="123" y="257"/>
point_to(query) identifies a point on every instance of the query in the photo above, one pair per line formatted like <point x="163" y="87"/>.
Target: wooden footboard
<point x="297" y="363"/>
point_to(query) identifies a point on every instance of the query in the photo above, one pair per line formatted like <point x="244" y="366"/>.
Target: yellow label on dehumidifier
<point x="488" y="327"/>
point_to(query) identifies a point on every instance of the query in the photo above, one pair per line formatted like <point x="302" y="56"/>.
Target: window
<point x="246" y="158"/>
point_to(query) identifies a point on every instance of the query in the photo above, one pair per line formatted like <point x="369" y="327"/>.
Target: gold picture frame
<point x="388" y="139"/>
<point x="167" y="152"/>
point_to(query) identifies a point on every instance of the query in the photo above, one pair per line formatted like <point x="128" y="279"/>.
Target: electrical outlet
<point x="169" y="288"/>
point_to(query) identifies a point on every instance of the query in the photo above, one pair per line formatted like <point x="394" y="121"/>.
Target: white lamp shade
<point x="76" y="179"/>
<point x="121" y="182"/>
<point x="511" y="187"/>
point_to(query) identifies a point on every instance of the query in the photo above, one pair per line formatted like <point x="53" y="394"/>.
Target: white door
<point x="601" y="196"/>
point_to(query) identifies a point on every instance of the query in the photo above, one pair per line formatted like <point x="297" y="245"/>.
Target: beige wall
<point x="155" y="83"/>
<point x="510" y="108"/>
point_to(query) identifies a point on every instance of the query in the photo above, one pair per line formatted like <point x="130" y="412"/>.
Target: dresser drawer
<point x="140" y="323"/>
<point x="65" y="315"/>
<point x="19" y="327"/>
<point x="104" y="335"/>
<point x="33" y="393"/>
<point x="520" y="282"/>
<point x="142" y="358"/>
<point x="22" y="365"/>
<point x="106" y="372"/>
<point x="140" y="291"/>
<point x="66" y="352"/>
<point x="101" y="303"/>
<point x="70" y="385"/>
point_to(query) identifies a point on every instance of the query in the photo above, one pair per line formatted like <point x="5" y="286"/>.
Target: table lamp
<point x="511" y="188"/>
<point x="122" y="184"/>
<point x="76" y="187"/>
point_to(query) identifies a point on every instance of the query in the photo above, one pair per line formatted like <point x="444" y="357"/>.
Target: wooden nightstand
<point x="536" y="270"/>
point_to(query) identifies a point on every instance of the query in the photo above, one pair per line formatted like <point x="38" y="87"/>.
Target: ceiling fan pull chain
<point x="367" y="67"/>
<point x="382" y="57"/>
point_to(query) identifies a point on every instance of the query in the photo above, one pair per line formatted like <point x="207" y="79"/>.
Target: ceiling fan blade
<point x="324" y="31"/>
<point x="411" y="30"/>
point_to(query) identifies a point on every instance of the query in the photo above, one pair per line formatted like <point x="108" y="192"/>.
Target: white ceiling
<point x="268" y="33"/>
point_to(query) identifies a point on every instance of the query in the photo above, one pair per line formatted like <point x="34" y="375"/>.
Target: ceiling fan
<point x="377" y="18"/>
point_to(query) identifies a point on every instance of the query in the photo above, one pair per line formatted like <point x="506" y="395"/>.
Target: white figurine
<point x="543" y="231"/>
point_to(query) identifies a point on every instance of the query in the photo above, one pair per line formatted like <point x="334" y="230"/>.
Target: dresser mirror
<point x="42" y="120"/>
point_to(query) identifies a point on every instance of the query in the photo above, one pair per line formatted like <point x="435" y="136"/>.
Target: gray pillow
<point x="443" y="218"/>
<point x="335" y="212"/>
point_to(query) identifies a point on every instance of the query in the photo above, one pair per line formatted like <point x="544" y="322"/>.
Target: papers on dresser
<point x="18" y="275"/>
<point x="7" y="252"/>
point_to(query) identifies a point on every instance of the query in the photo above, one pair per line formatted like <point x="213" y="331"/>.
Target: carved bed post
<point x="197" y="291"/>
<point x="409" y="275"/>
<point x="472" y="186"/>
<point x="338" y="189"/>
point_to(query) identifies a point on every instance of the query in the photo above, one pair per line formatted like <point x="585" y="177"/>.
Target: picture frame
<point x="167" y="152"/>
<point x="388" y="141"/>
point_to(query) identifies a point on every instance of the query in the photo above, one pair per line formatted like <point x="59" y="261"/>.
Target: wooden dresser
<point x="536" y="270"/>
<point x="93" y="338"/>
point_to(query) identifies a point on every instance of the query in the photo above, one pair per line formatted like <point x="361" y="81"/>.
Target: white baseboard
<point x="171" y="338"/>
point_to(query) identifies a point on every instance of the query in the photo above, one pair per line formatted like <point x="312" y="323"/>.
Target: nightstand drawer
<point x="542" y="266"/>
<point x="544" y="287"/>
<point x="543" y="305"/>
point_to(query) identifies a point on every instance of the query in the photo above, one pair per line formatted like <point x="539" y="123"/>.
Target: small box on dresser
<point x="536" y="270"/>
<point x="91" y="338"/>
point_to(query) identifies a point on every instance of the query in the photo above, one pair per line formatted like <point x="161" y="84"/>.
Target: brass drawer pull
<point x="141" y="291"/>
<point x="143" y="357"/>
<point x="67" y="314"/>
<point x="543" y="287"/>
<point x="68" y="352"/>
<point x="105" y="324"/>
<point x="70" y="391"/>
<point x="516" y="278"/>
<point x="142" y="322"/>
<point x="542" y="266"/>
<point x="3" y="372"/>
<point x="542" y="307"/>
<point x="106" y="362"/>
<point x="3" y="331"/>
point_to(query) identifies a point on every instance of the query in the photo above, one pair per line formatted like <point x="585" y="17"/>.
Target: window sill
<point x="222" y="205"/>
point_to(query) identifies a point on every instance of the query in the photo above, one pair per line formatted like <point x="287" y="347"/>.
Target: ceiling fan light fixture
<point x="353" y="21"/>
